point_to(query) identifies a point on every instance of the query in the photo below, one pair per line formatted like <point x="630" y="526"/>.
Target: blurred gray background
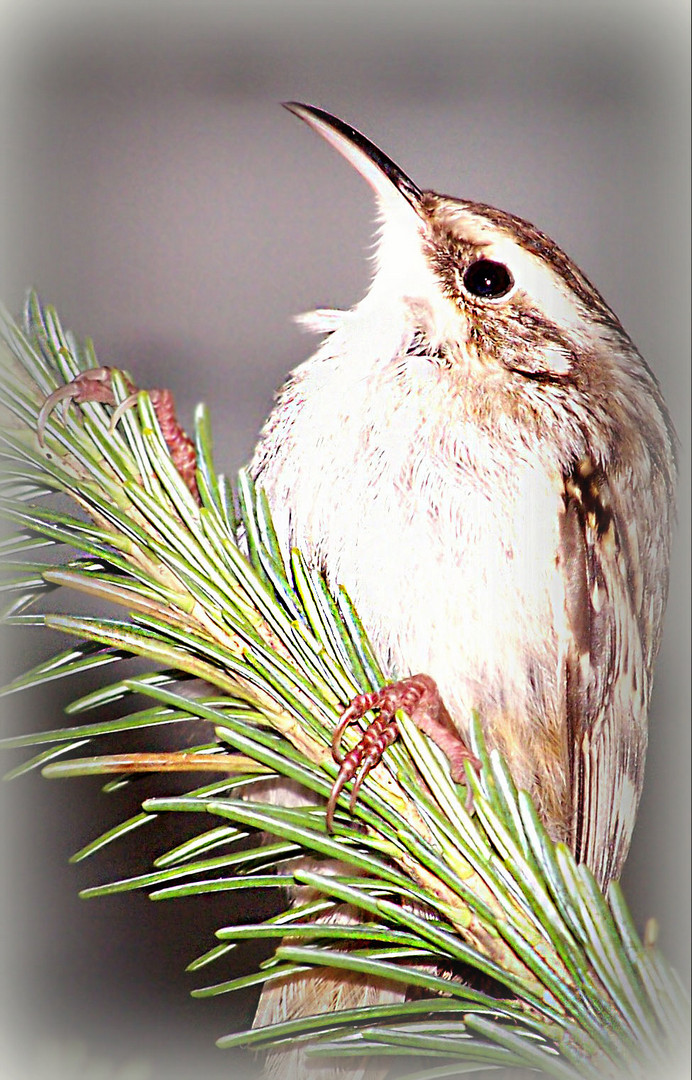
<point x="154" y="191"/>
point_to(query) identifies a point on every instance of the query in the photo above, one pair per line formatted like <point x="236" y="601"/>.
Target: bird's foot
<point x="96" y="385"/>
<point x="419" y="697"/>
<point x="92" y="385"/>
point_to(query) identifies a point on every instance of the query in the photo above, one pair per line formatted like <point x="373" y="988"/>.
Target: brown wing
<point x="610" y="547"/>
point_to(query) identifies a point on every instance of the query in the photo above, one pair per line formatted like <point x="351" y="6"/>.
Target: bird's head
<point x="486" y="284"/>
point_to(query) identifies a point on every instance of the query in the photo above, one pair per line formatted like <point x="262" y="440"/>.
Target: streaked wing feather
<point x="608" y="670"/>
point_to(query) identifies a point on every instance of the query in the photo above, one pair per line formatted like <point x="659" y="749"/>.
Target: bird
<point x="480" y="456"/>
<point x="478" y="453"/>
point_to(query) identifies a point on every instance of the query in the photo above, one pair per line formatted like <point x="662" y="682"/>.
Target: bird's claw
<point x="420" y="699"/>
<point x="380" y="734"/>
<point x="96" y="384"/>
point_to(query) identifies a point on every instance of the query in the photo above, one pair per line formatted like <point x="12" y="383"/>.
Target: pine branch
<point x="202" y="591"/>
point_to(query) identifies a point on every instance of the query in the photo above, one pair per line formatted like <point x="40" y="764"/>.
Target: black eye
<point x="487" y="279"/>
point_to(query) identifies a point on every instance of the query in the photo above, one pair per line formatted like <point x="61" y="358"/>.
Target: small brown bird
<point x="480" y="455"/>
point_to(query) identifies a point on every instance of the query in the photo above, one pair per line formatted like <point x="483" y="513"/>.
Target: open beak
<point x="385" y="178"/>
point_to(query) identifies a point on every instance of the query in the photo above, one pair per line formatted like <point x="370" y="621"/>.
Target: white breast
<point x="446" y="541"/>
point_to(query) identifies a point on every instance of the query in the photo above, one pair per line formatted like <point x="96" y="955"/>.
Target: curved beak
<point x="384" y="177"/>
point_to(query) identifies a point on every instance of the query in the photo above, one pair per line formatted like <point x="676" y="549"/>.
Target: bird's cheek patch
<point x="550" y="363"/>
<point x="556" y="360"/>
